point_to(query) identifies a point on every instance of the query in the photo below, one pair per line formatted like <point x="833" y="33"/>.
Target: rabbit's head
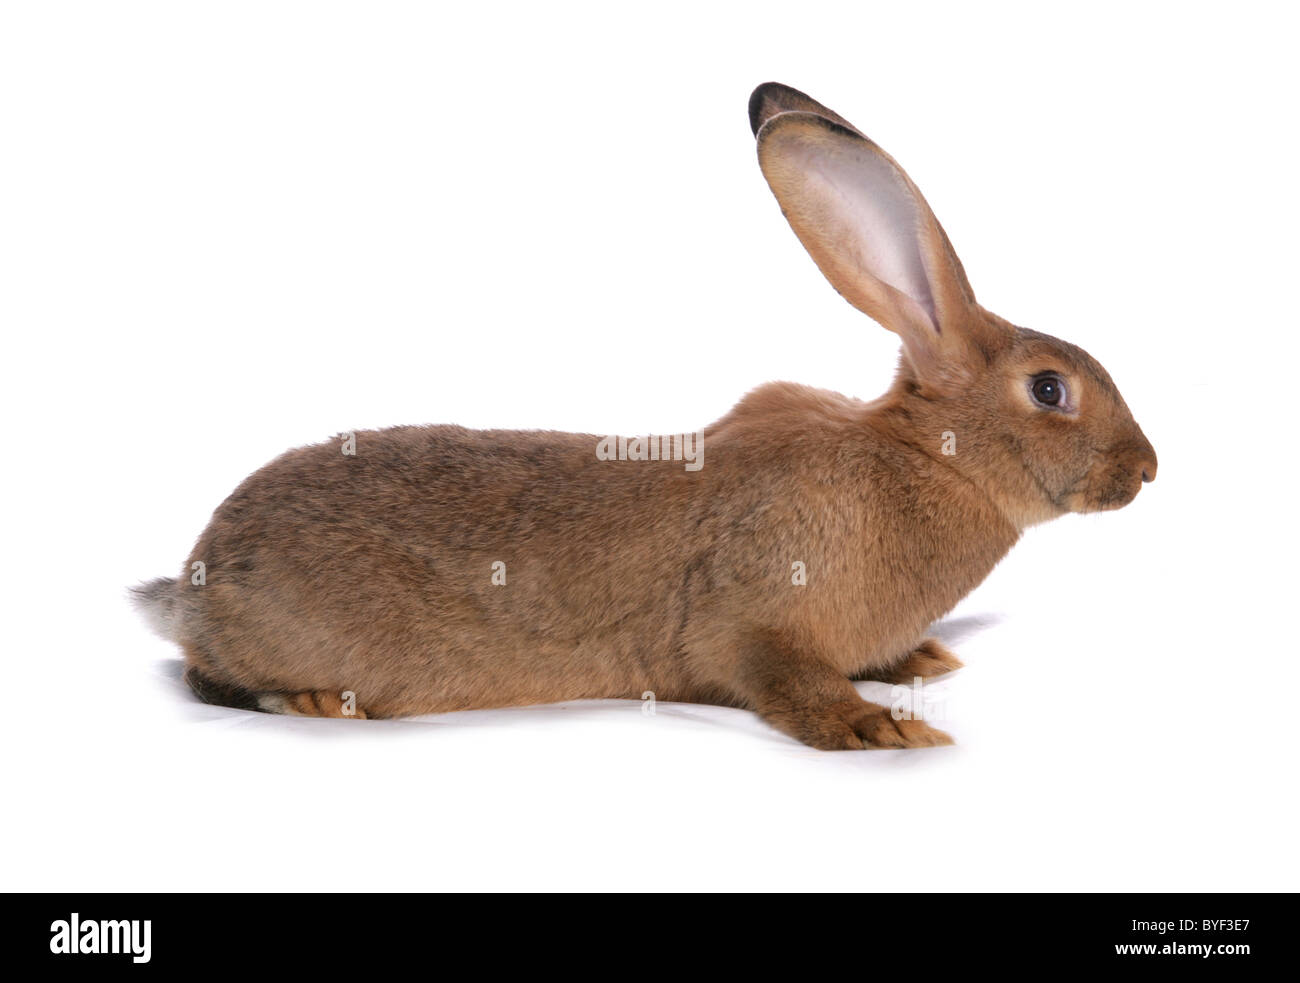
<point x="1034" y="420"/>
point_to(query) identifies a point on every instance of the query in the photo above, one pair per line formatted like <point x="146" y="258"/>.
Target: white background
<point x="228" y="229"/>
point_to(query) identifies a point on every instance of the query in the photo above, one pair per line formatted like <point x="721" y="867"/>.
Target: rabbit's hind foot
<point x="312" y="703"/>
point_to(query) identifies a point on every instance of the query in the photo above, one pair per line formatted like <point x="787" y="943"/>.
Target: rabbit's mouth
<point x="1114" y="488"/>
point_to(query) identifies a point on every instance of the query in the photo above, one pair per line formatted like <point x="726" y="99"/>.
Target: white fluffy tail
<point x="156" y="601"/>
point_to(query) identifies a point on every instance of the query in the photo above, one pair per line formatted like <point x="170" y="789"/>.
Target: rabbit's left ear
<point x="869" y="231"/>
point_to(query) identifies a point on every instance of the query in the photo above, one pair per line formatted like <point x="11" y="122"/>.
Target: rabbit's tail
<point x="157" y="602"/>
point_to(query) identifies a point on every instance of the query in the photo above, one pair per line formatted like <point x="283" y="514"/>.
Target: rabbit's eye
<point x="1048" y="390"/>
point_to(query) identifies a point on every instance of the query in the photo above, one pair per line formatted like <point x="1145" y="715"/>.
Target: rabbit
<point x="435" y="568"/>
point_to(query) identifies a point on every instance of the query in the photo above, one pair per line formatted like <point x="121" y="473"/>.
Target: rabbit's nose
<point x="1143" y="456"/>
<point x="1149" y="467"/>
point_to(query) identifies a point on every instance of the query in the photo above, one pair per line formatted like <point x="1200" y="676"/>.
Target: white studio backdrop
<point x="226" y="230"/>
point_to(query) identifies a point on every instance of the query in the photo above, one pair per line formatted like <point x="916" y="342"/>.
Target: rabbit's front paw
<point x="879" y="729"/>
<point x="850" y="727"/>
<point x="929" y="659"/>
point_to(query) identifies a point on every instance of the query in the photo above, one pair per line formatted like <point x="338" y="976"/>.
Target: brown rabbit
<point x="424" y="569"/>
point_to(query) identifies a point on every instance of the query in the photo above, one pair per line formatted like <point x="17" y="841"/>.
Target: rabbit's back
<point x="439" y="568"/>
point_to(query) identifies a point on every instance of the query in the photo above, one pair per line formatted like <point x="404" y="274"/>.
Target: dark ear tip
<point x="760" y="97"/>
<point x="756" y="106"/>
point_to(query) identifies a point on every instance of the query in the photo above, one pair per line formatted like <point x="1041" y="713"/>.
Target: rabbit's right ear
<point x="870" y="232"/>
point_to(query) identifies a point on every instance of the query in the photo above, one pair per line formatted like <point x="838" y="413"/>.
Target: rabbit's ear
<point x="873" y="236"/>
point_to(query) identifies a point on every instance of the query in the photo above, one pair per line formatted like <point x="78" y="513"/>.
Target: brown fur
<point x="372" y="572"/>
